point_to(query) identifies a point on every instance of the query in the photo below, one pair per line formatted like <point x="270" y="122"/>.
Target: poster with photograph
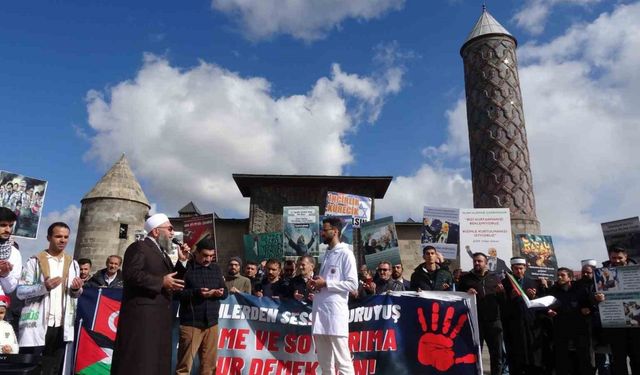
<point x="625" y="233"/>
<point x="486" y="230"/>
<point x="441" y="229"/>
<point x="621" y="288"/>
<point x="300" y="230"/>
<point x="346" y="234"/>
<point x="197" y="228"/>
<point x="358" y="207"/>
<point x="541" y="257"/>
<point x="379" y="241"/>
<point x="263" y="246"/>
<point x="24" y="196"/>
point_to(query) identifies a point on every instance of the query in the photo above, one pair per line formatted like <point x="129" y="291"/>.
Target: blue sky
<point x="194" y="91"/>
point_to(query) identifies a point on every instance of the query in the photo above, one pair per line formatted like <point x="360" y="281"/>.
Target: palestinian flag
<point x="91" y="359"/>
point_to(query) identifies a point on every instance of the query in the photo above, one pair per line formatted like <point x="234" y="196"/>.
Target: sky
<point x="194" y="91"/>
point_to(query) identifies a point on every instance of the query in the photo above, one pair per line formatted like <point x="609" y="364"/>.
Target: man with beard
<point x="143" y="341"/>
<point x="591" y="314"/>
<point x="85" y="269"/>
<point x="271" y="285"/>
<point x="235" y="282"/>
<point x="523" y="332"/>
<point x="251" y="273"/>
<point x="330" y="313"/>
<point x="10" y="258"/>
<point x="109" y="277"/>
<point x="625" y="342"/>
<point x="487" y="289"/>
<point x="396" y="274"/>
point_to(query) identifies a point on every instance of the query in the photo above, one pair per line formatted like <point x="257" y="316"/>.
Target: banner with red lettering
<point x="401" y="333"/>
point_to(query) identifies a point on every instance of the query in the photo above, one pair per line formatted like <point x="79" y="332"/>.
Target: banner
<point x="263" y="246"/>
<point x="441" y="229"/>
<point x="197" y="228"/>
<point x="486" y="230"/>
<point x="379" y="240"/>
<point x="621" y="288"/>
<point x="346" y="234"/>
<point x="402" y="333"/>
<point x="24" y="196"/>
<point x="300" y="230"/>
<point x="625" y="233"/>
<point x="540" y="255"/>
<point x="96" y="326"/>
<point x="339" y="204"/>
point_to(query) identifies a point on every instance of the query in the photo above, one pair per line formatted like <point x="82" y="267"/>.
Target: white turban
<point x="155" y="221"/>
<point x="589" y="262"/>
<point x="518" y="260"/>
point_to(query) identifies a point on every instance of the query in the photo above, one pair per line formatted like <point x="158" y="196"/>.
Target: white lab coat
<point x="330" y="312"/>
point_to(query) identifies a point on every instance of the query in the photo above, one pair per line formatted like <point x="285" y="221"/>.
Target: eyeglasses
<point x="168" y="227"/>
<point x="383" y="270"/>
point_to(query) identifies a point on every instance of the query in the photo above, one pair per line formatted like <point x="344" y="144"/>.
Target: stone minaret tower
<point x="111" y="213"/>
<point x="497" y="137"/>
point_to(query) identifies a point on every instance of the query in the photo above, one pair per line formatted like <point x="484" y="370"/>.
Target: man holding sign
<point x="330" y="314"/>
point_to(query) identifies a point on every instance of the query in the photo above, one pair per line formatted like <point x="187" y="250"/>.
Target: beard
<point x="165" y="242"/>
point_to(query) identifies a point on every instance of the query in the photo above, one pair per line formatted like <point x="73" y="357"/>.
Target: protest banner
<point x="441" y="229"/>
<point x="265" y="336"/>
<point x="379" y="240"/>
<point x="96" y="327"/>
<point x="358" y="207"/>
<point x="24" y="196"/>
<point x="263" y="246"/>
<point x="300" y="231"/>
<point x="539" y="253"/>
<point x="621" y="288"/>
<point x="346" y="234"/>
<point x="197" y="228"/>
<point x="486" y="230"/>
<point x="625" y="233"/>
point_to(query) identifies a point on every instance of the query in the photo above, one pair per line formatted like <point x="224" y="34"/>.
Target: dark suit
<point x="143" y="341"/>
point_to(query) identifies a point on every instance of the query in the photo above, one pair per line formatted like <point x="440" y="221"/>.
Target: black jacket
<point x="195" y="310"/>
<point x="99" y="280"/>
<point x="421" y="279"/>
<point x="487" y="300"/>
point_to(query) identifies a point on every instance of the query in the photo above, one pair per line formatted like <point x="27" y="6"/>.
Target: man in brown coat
<point x="143" y="341"/>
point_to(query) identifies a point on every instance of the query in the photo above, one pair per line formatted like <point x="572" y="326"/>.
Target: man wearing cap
<point x="235" y="282"/>
<point x="143" y="341"/>
<point x="523" y="333"/>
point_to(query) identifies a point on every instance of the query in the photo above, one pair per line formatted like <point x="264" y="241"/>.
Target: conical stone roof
<point x="486" y="25"/>
<point x="119" y="183"/>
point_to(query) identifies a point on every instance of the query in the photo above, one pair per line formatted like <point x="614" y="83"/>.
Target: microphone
<point x="176" y="241"/>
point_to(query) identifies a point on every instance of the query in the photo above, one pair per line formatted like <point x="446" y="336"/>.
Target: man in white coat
<point x="330" y="314"/>
<point x="50" y="286"/>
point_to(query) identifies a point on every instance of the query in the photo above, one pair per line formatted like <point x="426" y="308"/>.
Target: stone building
<point x="499" y="152"/>
<point x="110" y="215"/>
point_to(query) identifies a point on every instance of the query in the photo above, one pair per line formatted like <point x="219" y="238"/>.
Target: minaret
<point x="497" y="136"/>
<point x="111" y="213"/>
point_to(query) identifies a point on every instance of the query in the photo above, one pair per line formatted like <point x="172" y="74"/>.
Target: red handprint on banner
<point x="436" y="349"/>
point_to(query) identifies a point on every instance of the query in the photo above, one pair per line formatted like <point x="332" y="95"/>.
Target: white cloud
<point x="185" y="131"/>
<point x="534" y="14"/>
<point x="302" y="19"/>
<point x="70" y="215"/>
<point x="581" y="93"/>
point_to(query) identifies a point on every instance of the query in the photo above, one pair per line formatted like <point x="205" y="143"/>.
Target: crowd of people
<point x="563" y="338"/>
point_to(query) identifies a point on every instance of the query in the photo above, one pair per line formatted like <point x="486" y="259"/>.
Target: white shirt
<point x="56" y="265"/>
<point x="330" y="312"/>
<point x="8" y="284"/>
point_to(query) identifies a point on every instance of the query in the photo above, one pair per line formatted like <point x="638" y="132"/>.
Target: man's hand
<point x="234" y="290"/>
<point x="544" y="282"/>
<point x="169" y="282"/>
<point x="52" y="282"/>
<point x="316" y="283"/>
<point x="297" y="295"/>
<point x="599" y="297"/>
<point x="258" y="293"/>
<point x="552" y="313"/>
<point x="472" y="291"/>
<point x="531" y="293"/>
<point x="76" y="283"/>
<point x="585" y="311"/>
<point x="5" y="268"/>
<point x="6" y="349"/>
<point x="500" y="288"/>
<point x="184" y="252"/>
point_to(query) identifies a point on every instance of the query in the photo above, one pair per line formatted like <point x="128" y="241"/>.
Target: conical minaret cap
<point x="119" y="183"/>
<point x="486" y="25"/>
